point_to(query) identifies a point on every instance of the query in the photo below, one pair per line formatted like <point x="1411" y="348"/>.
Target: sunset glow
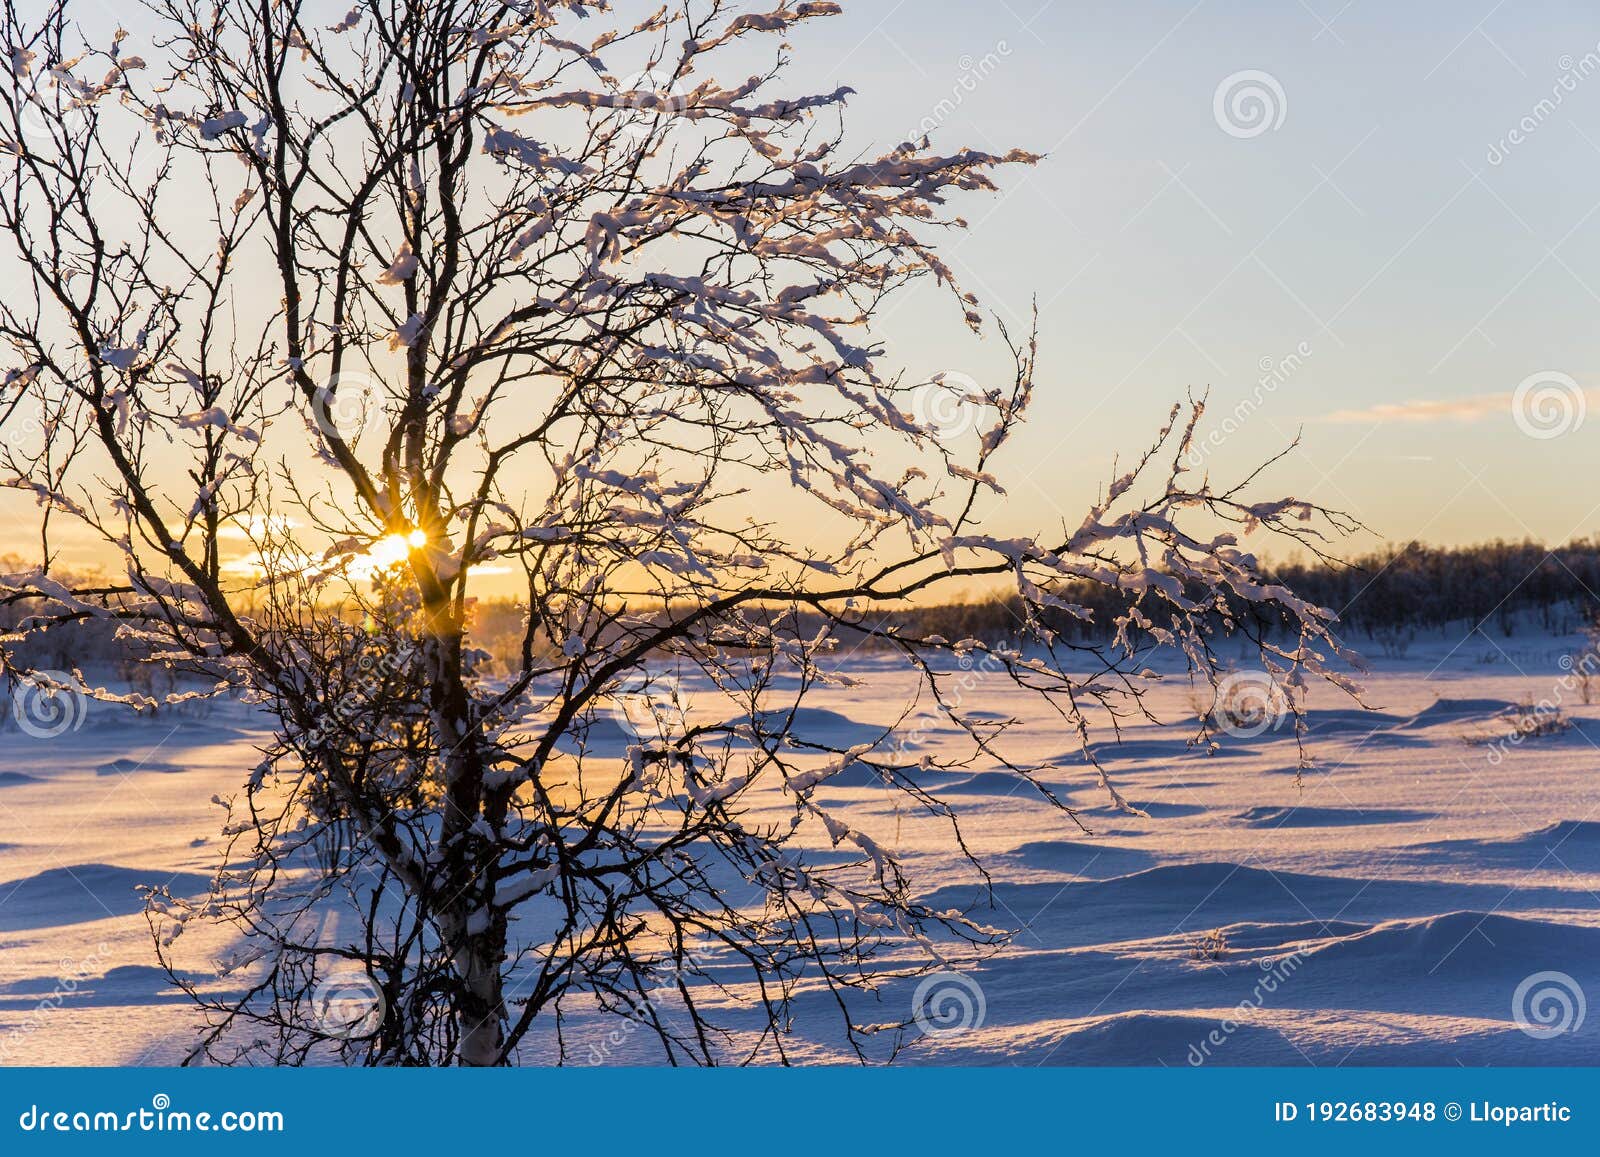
<point x="794" y="532"/>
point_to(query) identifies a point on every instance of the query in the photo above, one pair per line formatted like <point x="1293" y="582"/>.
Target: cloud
<point x="1439" y="410"/>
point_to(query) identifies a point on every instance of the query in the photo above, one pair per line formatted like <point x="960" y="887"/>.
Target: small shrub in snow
<point x="1394" y="639"/>
<point x="1516" y="725"/>
<point x="1209" y="946"/>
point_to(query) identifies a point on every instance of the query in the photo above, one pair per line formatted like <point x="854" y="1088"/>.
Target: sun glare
<point x="394" y="549"/>
<point x="389" y="551"/>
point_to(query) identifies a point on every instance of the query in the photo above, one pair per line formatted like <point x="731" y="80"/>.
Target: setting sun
<point x="394" y="549"/>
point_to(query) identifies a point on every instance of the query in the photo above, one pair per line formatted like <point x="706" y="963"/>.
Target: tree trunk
<point x="474" y="935"/>
<point x="478" y="1005"/>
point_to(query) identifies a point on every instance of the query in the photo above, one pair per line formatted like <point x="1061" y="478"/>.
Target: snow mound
<point x="1082" y="858"/>
<point x="1457" y="711"/>
<point x="822" y="726"/>
<point x="1161" y="1038"/>
<point x="1291" y="933"/>
<point x="1307" y="816"/>
<point x="1584" y="833"/>
<point x="1329" y="722"/>
<point x="1155" y="809"/>
<point x="1564" y="845"/>
<point x="857" y="774"/>
<point x="1468" y="946"/>
<point x="1214" y="893"/>
<point x="1179" y="879"/>
<point x="129" y="766"/>
<point x="117" y="986"/>
<point x="85" y="892"/>
<point x="991" y="783"/>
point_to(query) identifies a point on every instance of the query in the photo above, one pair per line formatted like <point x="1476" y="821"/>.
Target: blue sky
<point x="1383" y="221"/>
<point x="1413" y="230"/>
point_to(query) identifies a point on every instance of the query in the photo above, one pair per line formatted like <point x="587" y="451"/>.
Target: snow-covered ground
<point x="1405" y="903"/>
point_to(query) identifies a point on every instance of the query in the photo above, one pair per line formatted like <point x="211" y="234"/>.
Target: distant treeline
<point x="1502" y="584"/>
<point x="1387" y="595"/>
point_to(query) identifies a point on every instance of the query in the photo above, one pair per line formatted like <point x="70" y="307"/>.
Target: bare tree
<point x="438" y="287"/>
